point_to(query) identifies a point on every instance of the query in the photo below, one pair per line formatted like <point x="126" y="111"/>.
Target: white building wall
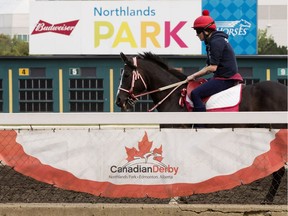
<point x="6" y="23"/>
<point x="272" y="15"/>
<point x="14" y="18"/>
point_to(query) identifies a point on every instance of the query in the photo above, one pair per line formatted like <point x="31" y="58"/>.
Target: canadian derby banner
<point x="144" y="162"/>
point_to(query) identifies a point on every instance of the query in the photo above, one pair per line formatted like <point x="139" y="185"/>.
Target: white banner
<point x="138" y="162"/>
<point x="111" y="27"/>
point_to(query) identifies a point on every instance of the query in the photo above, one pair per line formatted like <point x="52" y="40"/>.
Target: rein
<point x="136" y="76"/>
<point x="160" y="102"/>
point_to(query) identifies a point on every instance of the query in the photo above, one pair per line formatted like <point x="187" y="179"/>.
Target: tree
<point x="12" y="46"/>
<point x="267" y="45"/>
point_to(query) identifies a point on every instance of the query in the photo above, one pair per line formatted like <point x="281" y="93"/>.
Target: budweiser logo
<point x="60" y="28"/>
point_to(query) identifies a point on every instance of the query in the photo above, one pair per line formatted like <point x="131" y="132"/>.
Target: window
<point x="144" y="104"/>
<point x="247" y="74"/>
<point x="36" y="95"/>
<point x="86" y="92"/>
<point x="36" y="92"/>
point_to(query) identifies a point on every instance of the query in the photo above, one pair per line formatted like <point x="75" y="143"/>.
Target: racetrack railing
<point x="17" y="186"/>
<point x="143" y="118"/>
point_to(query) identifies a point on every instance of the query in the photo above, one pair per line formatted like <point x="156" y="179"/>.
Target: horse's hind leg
<point x="277" y="176"/>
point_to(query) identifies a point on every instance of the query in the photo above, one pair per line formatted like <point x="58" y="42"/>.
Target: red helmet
<point x="204" y="21"/>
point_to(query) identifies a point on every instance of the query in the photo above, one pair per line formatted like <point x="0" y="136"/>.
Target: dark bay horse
<point x="148" y="73"/>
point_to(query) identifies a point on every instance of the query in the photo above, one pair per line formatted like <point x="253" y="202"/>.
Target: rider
<point x="221" y="61"/>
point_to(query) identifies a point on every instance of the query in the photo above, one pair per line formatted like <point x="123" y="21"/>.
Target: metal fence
<point x="18" y="188"/>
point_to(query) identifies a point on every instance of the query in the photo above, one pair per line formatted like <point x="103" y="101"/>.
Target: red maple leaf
<point x="144" y="147"/>
<point x="158" y="158"/>
<point x="158" y="152"/>
<point x="130" y="153"/>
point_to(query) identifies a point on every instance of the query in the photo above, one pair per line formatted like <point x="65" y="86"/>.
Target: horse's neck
<point x="158" y="78"/>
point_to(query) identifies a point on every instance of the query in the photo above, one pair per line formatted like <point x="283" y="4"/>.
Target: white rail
<point x="142" y="118"/>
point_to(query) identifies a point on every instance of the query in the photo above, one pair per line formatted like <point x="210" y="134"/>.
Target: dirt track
<point x="16" y="188"/>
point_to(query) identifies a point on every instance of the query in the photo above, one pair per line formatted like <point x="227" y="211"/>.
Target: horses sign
<point x="233" y="28"/>
<point x="239" y="20"/>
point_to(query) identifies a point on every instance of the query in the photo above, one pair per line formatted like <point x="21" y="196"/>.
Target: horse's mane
<point x="160" y="62"/>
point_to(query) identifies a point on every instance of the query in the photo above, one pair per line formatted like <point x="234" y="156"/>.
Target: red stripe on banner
<point x="13" y="155"/>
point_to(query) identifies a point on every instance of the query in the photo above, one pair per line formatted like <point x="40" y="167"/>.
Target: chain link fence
<point x="17" y="188"/>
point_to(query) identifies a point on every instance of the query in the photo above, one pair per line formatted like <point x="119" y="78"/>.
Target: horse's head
<point x="148" y="74"/>
<point x="131" y="84"/>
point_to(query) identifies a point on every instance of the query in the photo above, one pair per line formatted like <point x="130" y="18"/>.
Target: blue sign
<point x="239" y="20"/>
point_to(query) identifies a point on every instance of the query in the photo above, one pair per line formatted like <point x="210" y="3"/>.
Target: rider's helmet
<point x="204" y="22"/>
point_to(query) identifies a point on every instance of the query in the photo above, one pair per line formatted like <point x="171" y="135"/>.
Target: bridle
<point x="137" y="76"/>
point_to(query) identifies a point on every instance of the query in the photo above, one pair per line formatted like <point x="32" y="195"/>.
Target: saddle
<point x="224" y="101"/>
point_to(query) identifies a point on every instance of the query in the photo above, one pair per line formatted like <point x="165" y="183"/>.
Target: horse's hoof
<point x="173" y="202"/>
<point x="178" y="200"/>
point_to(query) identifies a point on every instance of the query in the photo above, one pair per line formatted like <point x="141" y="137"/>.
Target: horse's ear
<point x="124" y="58"/>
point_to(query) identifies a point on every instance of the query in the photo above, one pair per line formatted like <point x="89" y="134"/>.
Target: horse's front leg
<point x="277" y="176"/>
